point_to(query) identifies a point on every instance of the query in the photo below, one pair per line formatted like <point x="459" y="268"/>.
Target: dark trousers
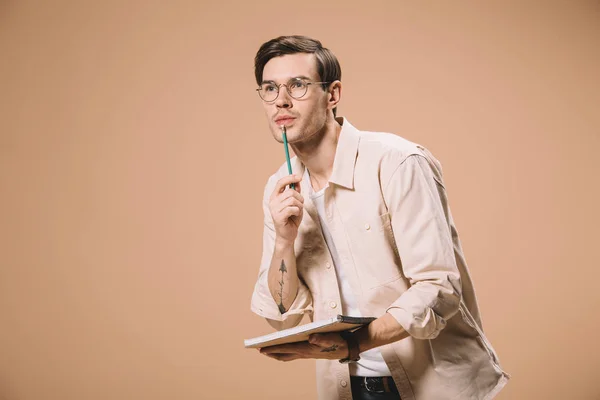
<point x="374" y="389"/>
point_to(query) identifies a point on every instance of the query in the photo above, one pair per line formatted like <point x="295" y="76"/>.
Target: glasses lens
<point x="297" y="88"/>
<point x="268" y="91"/>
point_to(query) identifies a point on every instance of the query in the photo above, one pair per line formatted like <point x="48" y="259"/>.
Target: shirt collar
<point x="345" y="156"/>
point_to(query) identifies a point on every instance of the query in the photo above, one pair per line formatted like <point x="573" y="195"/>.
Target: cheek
<point x="318" y="113"/>
<point x="315" y="109"/>
<point x="267" y="110"/>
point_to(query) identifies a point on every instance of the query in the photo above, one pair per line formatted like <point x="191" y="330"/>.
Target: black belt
<point x="375" y="384"/>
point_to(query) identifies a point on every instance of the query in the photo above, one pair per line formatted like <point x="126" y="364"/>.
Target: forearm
<point x="384" y="330"/>
<point x="283" y="277"/>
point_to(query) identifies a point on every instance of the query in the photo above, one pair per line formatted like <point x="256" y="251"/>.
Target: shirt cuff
<point x="427" y="325"/>
<point x="264" y="305"/>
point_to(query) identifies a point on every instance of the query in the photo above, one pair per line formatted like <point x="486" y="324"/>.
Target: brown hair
<point x="328" y="65"/>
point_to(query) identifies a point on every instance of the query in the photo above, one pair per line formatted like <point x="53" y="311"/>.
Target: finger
<point x="291" y="202"/>
<point x="324" y="340"/>
<point x="285" y="181"/>
<point x="291" y="211"/>
<point x="273" y="356"/>
<point x="298" y="186"/>
<point x="286" y="348"/>
<point x="291" y="193"/>
<point x="284" y="357"/>
<point x="281" y="349"/>
<point x="277" y="204"/>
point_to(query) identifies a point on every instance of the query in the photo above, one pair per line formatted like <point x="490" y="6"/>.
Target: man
<point x="366" y="231"/>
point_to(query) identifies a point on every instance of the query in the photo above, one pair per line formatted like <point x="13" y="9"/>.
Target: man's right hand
<point x="286" y="206"/>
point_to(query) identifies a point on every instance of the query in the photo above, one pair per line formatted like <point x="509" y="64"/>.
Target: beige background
<point x="134" y="150"/>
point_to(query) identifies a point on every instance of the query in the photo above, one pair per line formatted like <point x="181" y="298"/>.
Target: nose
<point x="284" y="99"/>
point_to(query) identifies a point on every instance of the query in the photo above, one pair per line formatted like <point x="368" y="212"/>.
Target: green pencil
<point x="287" y="154"/>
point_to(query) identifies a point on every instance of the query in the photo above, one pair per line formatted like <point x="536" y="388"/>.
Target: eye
<point x="296" y="84"/>
<point x="269" y="88"/>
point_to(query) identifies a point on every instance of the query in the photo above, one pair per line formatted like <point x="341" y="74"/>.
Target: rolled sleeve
<point x="262" y="302"/>
<point x="417" y="204"/>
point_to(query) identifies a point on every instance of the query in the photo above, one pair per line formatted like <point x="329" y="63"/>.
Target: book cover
<point x="302" y="332"/>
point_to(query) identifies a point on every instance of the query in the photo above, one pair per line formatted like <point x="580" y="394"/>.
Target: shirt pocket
<point x="374" y="250"/>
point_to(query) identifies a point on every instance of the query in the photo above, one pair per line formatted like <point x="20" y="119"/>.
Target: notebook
<point x="301" y="333"/>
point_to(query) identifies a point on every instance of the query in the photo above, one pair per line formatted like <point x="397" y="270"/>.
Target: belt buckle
<point x="369" y="389"/>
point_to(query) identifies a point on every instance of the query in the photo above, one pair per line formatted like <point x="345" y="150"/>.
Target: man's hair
<point x="328" y="65"/>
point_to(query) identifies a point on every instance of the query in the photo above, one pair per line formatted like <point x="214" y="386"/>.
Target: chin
<point x="278" y="133"/>
<point x="277" y="136"/>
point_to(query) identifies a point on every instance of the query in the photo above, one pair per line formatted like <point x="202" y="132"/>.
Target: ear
<point x="334" y="94"/>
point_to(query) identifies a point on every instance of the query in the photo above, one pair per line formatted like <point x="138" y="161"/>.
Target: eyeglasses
<point x="296" y="87"/>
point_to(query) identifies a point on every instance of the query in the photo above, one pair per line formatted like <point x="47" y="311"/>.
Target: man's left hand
<point x="330" y="346"/>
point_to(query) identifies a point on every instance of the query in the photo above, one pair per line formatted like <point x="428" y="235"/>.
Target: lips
<point x="284" y="120"/>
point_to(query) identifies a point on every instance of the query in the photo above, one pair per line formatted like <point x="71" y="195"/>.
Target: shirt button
<point x="344" y="383"/>
<point x="367" y="226"/>
<point x="333" y="304"/>
<point x="328" y="265"/>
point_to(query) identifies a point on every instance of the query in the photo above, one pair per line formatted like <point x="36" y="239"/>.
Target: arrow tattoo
<point x="330" y="349"/>
<point x="283" y="270"/>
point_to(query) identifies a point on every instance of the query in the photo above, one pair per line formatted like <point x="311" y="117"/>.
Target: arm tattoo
<point x="283" y="270"/>
<point x="330" y="349"/>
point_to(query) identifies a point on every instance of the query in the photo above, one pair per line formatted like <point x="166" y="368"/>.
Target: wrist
<point x="283" y="244"/>
<point x="384" y="330"/>
<point x="364" y="338"/>
<point x="353" y="347"/>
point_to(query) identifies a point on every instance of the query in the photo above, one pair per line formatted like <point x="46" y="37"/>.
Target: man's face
<point x="307" y="115"/>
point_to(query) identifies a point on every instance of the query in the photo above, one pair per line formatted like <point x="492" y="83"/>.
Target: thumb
<point x="315" y="338"/>
<point x="297" y="181"/>
<point x="320" y="340"/>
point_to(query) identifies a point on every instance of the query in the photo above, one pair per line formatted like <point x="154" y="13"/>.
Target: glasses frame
<point x="307" y="83"/>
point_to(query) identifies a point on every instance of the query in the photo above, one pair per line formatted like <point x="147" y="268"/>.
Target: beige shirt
<point x="388" y="214"/>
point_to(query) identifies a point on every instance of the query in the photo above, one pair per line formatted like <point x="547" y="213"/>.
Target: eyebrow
<point x="294" y="77"/>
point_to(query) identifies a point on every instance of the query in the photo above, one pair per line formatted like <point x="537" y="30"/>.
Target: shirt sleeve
<point x="262" y="302"/>
<point x="418" y="208"/>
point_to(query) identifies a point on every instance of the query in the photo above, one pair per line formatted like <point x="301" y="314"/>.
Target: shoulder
<point x="386" y="145"/>
<point x="392" y="151"/>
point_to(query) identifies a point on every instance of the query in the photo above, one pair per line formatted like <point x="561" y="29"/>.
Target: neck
<point x="318" y="153"/>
